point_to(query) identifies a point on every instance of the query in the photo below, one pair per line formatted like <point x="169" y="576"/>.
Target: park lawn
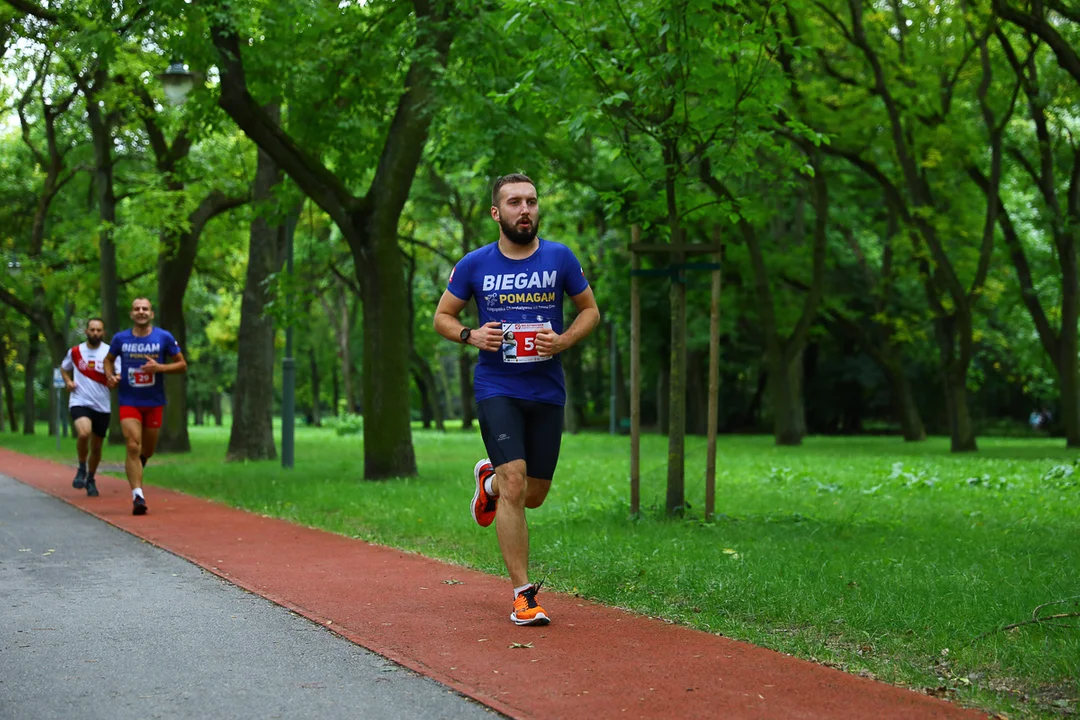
<point x="893" y="560"/>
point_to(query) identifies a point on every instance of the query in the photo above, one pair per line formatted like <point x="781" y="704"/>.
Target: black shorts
<point x="526" y="430"/>
<point x="99" y="421"/>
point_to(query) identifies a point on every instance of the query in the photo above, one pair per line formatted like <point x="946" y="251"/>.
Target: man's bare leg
<point x="83" y="427"/>
<point x="133" y="432"/>
<point x="95" y="454"/>
<point x="149" y="441"/>
<point x="511" y="485"/>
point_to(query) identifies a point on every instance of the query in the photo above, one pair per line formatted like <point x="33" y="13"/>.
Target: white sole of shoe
<point x="540" y="619"/>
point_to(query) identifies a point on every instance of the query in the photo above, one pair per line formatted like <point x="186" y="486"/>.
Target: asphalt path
<point x="96" y="623"/>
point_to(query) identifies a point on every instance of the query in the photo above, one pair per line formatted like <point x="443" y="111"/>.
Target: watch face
<point x="464" y="334"/>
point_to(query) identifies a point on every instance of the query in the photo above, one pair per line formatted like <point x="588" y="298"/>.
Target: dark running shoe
<point x="91" y="488"/>
<point x="80" y="480"/>
<point x="138" y="506"/>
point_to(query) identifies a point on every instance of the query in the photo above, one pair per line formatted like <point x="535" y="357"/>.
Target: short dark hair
<point x="506" y="180"/>
<point x="95" y="319"/>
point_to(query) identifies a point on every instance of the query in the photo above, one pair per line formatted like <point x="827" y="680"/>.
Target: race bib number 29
<point x="519" y="342"/>
<point x="139" y="379"/>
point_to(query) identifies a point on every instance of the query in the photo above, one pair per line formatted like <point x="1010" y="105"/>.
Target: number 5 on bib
<point x="519" y="342"/>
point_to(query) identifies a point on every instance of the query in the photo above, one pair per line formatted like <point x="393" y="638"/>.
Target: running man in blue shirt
<point x="145" y="353"/>
<point x="519" y="284"/>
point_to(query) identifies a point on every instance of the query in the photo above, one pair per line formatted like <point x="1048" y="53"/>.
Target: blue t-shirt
<point x="139" y="389"/>
<point x="525" y="296"/>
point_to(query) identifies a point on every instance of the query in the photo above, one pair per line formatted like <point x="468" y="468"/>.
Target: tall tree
<point x="1038" y="158"/>
<point x="179" y="243"/>
<point x="368" y="222"/>
<point x="889" y="57"/>
<point x="661" y="98"/>
<point x="252" y="433"/>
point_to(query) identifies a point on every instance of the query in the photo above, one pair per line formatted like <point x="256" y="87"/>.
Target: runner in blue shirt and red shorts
<point x="145" y="353"/>
<point x="519" y="284"/>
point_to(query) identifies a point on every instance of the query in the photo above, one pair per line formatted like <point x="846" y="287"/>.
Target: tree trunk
<point x="215" y="408"/>
<point x="252" y="434"/>
<point x="54" y="427"/>
<point x="316" y="414"/>
<point x="903" y="402"/>
<point x="451" y="406"/>
<point x="961" y="430"/>
<point x="9" y="390"/>
<point x="388" y="448"/>
<point x="426" y="413"/>
<point x="4" y="387"/>
<point x="663" y="398"/>
<point x="786" y="398"/>
<point x="336" y="391"/>
<point x="429" y="392"/>
<point x="953" y="372"/>
<point x="174" y="432"/>
<point x="784" y="354"/>
<point x="103" y="183"/>
<point x="341" y="321"/>
<point x="369" y="224"/>
<point x="697" y="402"/>
<point x="676" y="459"/>
<point x="1069" y="381"/>
<point x="176" y="262"/>
<point x="879" y="347"/>
<point x="465" y="382"/>
<point x="29" y="411"/>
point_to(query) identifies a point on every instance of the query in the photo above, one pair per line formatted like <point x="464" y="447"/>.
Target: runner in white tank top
<point x="83" y="369"/>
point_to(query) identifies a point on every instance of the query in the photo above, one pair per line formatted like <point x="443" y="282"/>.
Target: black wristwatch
<point x="465" y="334"/>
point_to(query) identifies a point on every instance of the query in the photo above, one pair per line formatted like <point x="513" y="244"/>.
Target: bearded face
<point x="518" y="212"/>
<point x="519" y="232"/>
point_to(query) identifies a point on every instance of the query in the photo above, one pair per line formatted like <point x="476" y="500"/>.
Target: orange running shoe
<point x="483" y="505"/>
<point x="526" y="610"/>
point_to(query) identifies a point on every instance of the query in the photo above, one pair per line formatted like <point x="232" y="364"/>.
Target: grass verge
<point x="897" y="561"/>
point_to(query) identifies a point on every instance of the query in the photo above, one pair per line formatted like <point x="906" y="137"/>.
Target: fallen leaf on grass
<point x="522" y="646"/>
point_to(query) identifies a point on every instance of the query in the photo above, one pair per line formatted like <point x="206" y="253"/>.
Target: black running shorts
<point x="99" y="421"/>
<point x="526" y="430"/>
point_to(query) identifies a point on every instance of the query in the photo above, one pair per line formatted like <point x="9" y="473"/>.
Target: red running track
<point x="591" y="662"/>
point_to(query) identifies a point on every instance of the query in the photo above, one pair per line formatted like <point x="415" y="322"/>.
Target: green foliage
<point x="346" y="423"/>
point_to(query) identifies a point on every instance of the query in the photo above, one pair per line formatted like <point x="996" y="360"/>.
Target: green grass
<point x="868" y="554"/>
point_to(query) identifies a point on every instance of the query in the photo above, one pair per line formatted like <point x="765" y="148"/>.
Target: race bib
<point x="139" y="379"/>
<point x="519" y="342"/>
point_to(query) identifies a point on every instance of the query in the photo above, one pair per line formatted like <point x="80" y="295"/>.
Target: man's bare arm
<point x="487" y="337"/>
<point x="548" y="343"/>
<point x="586" y="321"/>
<point x="176" y="364"/>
